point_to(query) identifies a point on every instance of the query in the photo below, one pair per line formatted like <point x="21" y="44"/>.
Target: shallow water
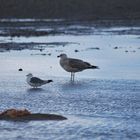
<point x="101" y="104"/>
<point x="96" y="109"/>
<point x="117" y="55"/>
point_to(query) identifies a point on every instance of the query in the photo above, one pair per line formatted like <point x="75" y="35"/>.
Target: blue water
<point x="96" y="109"/>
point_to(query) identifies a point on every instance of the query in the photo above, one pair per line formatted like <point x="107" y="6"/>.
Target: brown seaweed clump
<point x="14" y="113"/>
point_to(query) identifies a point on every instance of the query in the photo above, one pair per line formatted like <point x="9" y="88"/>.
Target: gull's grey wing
<point x="36" y="80"/>
<point x="77" y="63"/>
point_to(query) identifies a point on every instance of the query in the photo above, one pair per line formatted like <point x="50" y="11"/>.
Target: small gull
<point x="74" y="65"/>
<point x="36" y="82"/>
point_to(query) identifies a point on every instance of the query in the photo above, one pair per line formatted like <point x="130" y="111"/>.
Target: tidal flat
<point x="100" y="104"/>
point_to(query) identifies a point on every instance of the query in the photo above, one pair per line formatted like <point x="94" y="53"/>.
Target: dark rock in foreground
<point x="34" y="117"/>
<point x="25" y="115"/>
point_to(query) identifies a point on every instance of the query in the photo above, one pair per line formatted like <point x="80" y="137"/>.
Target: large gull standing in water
<point x="74" y="65"/>
<point x="36" y="82"/>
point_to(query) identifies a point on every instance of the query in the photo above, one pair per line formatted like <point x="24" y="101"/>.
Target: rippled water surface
<point x="96" y="109"/>
<point x="101" y="104"/>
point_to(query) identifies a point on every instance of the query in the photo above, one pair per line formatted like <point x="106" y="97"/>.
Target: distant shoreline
<point x="88" y="10"/>
<point x="63" y="21"/>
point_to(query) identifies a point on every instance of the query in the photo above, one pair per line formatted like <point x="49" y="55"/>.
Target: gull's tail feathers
<point x="47" y="81"/>
<point x="94" y="67"/>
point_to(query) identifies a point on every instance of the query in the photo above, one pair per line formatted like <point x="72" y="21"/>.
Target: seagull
<point x="36" y="82"/>
<point x="73" y="65"/>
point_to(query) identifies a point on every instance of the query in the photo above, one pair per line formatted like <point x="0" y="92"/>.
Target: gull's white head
<point x="63" y="55"/>
<point x="29" y="75"/>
